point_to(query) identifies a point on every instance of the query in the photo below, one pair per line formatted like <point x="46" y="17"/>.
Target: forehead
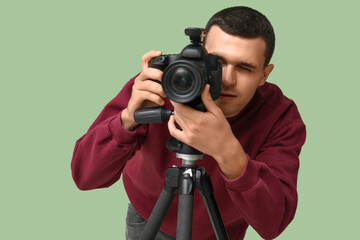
<point x="235" y="48"/>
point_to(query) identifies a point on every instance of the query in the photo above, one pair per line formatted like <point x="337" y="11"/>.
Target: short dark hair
<point x="247" y="23"/>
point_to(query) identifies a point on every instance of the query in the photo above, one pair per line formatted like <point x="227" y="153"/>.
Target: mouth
<point x="227" y="96"/>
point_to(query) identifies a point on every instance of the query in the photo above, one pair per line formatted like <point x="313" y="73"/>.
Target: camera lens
<point x="183" y="81"/>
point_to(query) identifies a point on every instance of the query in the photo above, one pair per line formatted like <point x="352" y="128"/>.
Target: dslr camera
<point x="186" y="74"/>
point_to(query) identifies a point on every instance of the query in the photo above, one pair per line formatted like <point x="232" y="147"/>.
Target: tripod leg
<point x="207" y="192"/>
<point x="185" y="208"/>
<point x="162" y="205"/>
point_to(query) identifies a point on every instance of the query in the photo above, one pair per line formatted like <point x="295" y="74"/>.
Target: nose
<point x="228" y="76"/>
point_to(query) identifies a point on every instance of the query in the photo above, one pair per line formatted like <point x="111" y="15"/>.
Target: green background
<point x="62" y="61"/>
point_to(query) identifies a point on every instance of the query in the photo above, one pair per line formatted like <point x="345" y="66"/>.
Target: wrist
<point x="232" y="160"/>
<point x="127" y="120"/>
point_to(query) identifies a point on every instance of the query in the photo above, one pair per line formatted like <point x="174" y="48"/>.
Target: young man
<point x="251" y="138"/>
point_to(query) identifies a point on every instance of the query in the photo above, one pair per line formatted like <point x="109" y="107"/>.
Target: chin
<point x="228" y="113"/>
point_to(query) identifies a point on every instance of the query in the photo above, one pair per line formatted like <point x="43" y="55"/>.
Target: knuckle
<point x="171" y="129"/>
<point x="137" y="85"/>
<point x="141" y="76"/>
<point x="147" y="55"/>
<point x="137" y="80"/>
<point x="145" y="73"/>
<point x="191" y="134"/>
<point x="155" y="98"/>
<point x="199" y="122"/>
<point x="135" y="88"/>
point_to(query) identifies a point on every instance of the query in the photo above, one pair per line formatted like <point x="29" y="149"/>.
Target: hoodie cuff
<point x="247" y="180"/>
<point x="122" y="135"/>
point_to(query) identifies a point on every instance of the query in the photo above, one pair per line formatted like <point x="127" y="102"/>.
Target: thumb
<point x="208" y="100"/>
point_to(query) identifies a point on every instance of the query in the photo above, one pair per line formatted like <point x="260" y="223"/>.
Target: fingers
<point x="152" y="97"/>
<point x="149" y="90"/>
<point x="147" y="57"/>
<point x="152" y="87"/>
<point x="144" y="82"/>
<point x="189" y="113"/>
<point x="173" y="130"/>
<point x="146" y="91"/>
<point x="149" y="77"/>
<point x="150" y="73"/>
<point x="183" y="111"/>
<point x="208" y="100"/>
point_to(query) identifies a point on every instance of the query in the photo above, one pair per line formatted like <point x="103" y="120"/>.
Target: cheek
<point x="246" y="89"/>
<point x="245" y="83"/>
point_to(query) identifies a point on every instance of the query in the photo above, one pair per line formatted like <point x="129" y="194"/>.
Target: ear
<point x="267" y="72"/>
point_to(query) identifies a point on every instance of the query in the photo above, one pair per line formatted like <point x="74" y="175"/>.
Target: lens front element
<point x="182" y="82"/>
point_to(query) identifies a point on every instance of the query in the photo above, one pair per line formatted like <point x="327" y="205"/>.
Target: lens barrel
<point x="183" y="81"/>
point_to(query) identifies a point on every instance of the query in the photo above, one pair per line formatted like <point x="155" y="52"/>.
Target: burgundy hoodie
<point x="269" y="129"/>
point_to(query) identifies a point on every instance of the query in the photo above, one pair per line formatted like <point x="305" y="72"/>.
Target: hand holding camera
<point x="146" y="93"/>
<point x="182" y="78"/>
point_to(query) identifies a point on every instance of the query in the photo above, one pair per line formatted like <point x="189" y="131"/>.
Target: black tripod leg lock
<point x="172" y="179"/>
<point x="203" y="182"/>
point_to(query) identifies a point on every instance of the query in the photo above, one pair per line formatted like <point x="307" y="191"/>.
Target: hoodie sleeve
<point x="266" y="192"/>
<point x="101" y="154"/>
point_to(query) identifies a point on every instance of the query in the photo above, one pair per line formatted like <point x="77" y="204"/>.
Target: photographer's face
<point x="243" y="68"/>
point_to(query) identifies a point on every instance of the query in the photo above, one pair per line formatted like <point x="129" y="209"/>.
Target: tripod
<point x="185" y="179"/>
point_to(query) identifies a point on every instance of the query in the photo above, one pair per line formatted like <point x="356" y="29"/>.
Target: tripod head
<point x="188" y="154"/>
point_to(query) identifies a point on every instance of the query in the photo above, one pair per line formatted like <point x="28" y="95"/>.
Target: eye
<point x="240" y="67"/>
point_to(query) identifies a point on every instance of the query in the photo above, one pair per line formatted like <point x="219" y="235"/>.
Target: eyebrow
<point x="241" y="63"/>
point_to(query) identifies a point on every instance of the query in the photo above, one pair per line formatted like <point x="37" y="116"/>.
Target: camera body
<point x="186" y="74"/>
